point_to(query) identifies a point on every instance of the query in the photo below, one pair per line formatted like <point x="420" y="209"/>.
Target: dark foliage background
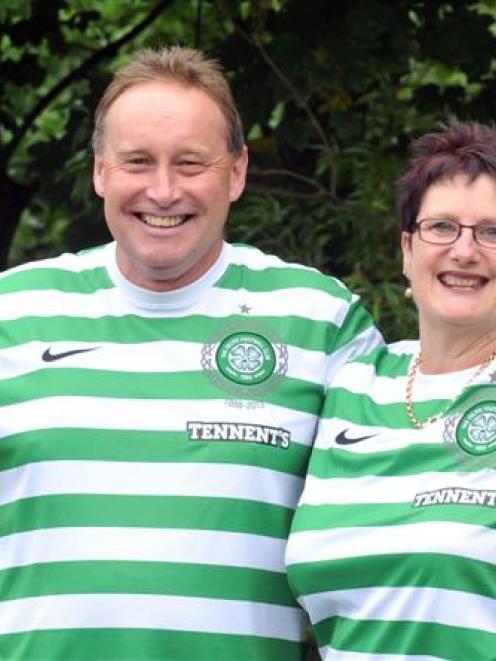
<point x="330" y="93"/>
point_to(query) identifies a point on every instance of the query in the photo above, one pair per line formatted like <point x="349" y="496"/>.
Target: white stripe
<point x="404" y="347"/>
<point x="137" y="611"/>
<point x="46" y="478"/>
<point x="143" y="414"/>
<point x="361" y="379"/>
<point x="256" y="260"/>
<point x="204" y="547"/>
<point x="146" y="357"/>
<point x="382" y="489"/>
<point x="329" y="654"/>
<point x="359" y="345"/>
<point x="381" y="438"/>
<point x="458" y="539"/>
<point x="395" y="604"/>
<point x="251" y="257"/>
<point x="318" y="305"/>
<point x="65" y="262"/>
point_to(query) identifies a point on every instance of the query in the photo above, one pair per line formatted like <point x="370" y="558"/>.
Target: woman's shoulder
<point x="393" y="354"/>
<point x="387" y="361"/>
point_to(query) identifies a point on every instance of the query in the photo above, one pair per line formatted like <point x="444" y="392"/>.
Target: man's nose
<point x="163" y="186"/>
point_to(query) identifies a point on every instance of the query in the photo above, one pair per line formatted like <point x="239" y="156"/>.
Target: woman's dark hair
<point x="462" y="148"/>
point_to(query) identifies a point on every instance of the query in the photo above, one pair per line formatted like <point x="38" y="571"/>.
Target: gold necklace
<point x="412" y="373"/>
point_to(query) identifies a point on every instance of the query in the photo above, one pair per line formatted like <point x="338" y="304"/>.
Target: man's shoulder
<point x="272" y="271"/>
<point x="51" y="272"/>
<point x="257" y="259"/>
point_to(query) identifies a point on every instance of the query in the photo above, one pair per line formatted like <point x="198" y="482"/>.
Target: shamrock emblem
<point x="246" y="357"/>
<point x="482" y="428"/>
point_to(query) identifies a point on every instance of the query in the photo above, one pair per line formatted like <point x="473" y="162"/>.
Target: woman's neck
<point x="453" y="351"/>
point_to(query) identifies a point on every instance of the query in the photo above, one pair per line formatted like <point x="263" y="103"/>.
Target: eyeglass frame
<point x="460" y="226"/>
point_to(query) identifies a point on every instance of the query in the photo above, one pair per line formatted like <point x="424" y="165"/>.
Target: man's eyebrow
<point x="197" y="152"/>
<point x="123" y="153"/>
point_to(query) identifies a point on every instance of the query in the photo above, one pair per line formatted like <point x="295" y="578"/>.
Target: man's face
<point x="167" y="180"/>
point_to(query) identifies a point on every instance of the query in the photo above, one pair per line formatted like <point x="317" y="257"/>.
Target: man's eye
<point x="191" y="166"/>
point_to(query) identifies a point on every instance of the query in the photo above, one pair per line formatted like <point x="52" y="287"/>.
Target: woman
<point x="393" y="547"/>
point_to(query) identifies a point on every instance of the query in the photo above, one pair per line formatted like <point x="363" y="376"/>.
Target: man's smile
<point x="162" y="221"/>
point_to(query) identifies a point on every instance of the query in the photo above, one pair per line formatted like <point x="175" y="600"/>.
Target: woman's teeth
<point x="457" y="281"/>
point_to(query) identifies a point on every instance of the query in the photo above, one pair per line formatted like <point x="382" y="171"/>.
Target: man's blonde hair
<point x="186" y="66"/>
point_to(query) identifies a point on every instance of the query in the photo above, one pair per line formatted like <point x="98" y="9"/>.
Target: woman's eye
<point x="442" y="227"/>
<point x="488" y="230"/>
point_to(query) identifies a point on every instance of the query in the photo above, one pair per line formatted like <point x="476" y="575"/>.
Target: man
<point x="158" y="399"/>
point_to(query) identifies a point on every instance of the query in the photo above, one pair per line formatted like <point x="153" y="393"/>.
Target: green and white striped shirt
<point x="393" y="544"/>
<point x="152" y="451"/>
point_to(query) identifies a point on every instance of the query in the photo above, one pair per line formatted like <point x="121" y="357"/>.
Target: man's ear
<point x="238" y="175"/>
<point x="98" y="176"/>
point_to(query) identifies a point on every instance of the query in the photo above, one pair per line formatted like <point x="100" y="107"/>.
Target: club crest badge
<point x="476" y="430"/>
<point x="470" y="433"/>
<point x="245" y="359"/>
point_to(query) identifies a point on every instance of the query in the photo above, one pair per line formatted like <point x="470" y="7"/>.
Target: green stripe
<point x="295" y="331"/>
<point x="78" y="382"/>
<point x="351" y="407"/>
<point x="143" y="645"/>
<point x="323" y="517"/>
<point x="184" y="512"/>
<point x="87" y="281"/>
<point x="161" y="578"/>
<point x="411" y="460"/>
<point x="434" y="570"/>
<point x="147" y="446"/>
<point x="379" y="637"/>
<point x="361" y="408"/>
<point x="387" y="364"/>
<point x="239" y="276"/>
<point x="357" y="321"/>
<point x="92" y="249"/>
<point x="483" y="391"/>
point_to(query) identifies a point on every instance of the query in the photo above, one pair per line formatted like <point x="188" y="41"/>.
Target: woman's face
<point x="454" y="285"/>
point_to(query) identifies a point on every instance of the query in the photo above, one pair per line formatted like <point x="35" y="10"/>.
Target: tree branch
<point x="84" y="68"/>
<point x="198" y="23"/>
<point x="299" y="99"/>
<point x="285" y="192"/>
<point x="281" y="172"/>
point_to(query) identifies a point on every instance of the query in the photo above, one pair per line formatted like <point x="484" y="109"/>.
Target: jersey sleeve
<point x="356" y="336"/>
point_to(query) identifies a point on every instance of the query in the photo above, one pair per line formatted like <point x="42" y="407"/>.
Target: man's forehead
<point x="157" y="115"/>
<point x="168" y="91"/>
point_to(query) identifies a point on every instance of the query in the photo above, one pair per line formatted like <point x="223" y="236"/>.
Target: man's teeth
<point x="455" y="281"/>
<point x="162" y="221"/>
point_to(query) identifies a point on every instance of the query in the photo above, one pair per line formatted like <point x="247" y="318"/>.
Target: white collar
<point x="168" y="300"/>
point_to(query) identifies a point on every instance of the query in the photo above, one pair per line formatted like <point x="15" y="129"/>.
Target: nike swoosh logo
<point x="49" y="357"/>
<point x="342" y="439"/>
